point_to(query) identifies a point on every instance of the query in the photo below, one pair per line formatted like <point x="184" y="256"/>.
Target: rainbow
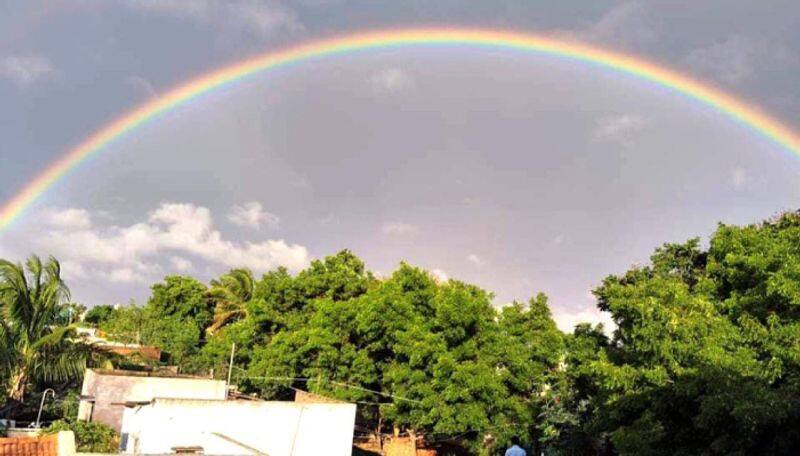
<point x="747" y="114"/>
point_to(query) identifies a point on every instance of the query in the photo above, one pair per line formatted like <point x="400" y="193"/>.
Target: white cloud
<point x="252" y="215"/>
<point x="134" y="253"/>
<point x="68" y="218"/>
<point x="439" y="275"/>
<point x="123" y="275"/>
<point x="180" y="264"/>
<point x="254" y="16"/>
<point x="73" y="271"/>
<point x="475" y="259"/>
<point x="392" y="80"/>
<point x="559" y="239"/>
<point x="567" y="319"/>
<point x="619" y="129"/>
<point x="398" y="228"/>
<point x="189" y="228"/>
<point x="739" y="177"/>
<point x="24" y="70"/>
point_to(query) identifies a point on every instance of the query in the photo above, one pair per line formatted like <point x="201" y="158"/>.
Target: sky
<point x="517" y="172"/>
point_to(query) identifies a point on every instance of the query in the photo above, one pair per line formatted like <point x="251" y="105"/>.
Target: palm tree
<point x="231" y="293"/>
<point x="33" y="346"/>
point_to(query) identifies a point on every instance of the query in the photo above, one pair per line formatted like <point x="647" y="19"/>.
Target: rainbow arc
<point x="746" y="114"/>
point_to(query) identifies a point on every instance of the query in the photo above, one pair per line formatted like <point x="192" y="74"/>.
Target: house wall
<point x="240" y="427"/>
<point x="115" y="387"/>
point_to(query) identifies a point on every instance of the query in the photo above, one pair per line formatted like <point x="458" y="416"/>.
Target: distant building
<point x="105" y="392"/>
<point x="236" y="427"/>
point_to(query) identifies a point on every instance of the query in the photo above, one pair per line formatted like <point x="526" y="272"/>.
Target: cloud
<point x="567" y="319"/>
<point x="439" y="275"/>
<point x="559" y="239"/>
<point x="253" y="16"/>
<point x="738" y="177"/>
<point x="392" y="80"/>
<point x="133" y="253"/>
<point x="123" y="275"/>
<point x="141" y="85"/>
<point x="398" y="228"/>
<point x="474" y="259"/>
<point x="737" y="58"/>
<point x="73" y="271"/>
<point x="252" y="215"/>
<point x="180" y="264"/>
<point x="626" y="25"/>
<point x="68" y="218"/>
<point x="619" y="129"/>
<point x="25" y="70"/>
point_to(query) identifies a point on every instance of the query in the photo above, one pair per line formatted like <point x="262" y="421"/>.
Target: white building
<point x="238" y="428"/>
<point x="105" y="392"/>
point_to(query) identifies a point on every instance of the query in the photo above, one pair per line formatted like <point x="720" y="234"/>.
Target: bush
<point x="89" y="437"/>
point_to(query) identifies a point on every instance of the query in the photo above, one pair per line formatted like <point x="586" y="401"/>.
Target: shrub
<point x="89" y="437"/>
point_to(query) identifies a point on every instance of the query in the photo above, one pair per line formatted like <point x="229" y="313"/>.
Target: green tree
<point x="528" y="350"/>
<point x="98" y="315"/>
<point x="33" y="344"/>
<point x="230" y="295"/>
<point x="182" y="297"/>
<point x="706" y="357"/>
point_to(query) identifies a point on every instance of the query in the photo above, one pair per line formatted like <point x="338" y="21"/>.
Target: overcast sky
<point x="519" y="173"/>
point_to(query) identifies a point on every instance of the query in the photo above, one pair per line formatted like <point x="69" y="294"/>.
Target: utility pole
<point x="230" y="368"/>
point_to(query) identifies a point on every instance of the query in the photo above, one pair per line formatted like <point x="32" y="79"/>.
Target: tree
<point x="706" y="356"/>
<point x="230" y="295"/>
<point x="528" y="349"/>
<point x="33" y="345"/>
<point x="98" y="315"/>
<point x="182" y="297"/>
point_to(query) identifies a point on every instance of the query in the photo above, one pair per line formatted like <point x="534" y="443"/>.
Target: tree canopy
<point x="703" y="358"/>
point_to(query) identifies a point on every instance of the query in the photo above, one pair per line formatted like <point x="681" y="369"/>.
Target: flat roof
<point x="156" y="374"/>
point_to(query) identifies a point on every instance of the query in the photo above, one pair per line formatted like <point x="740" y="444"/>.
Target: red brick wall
<point x="29" y="446"/>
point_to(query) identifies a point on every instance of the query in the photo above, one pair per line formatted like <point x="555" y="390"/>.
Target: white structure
<point x="238" y="428"/>
<point x="105" y="392"/>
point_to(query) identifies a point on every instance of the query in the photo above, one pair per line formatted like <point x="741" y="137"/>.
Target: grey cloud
<point x="25" y="70"/>
<point x="737" y="58"/>
<point x="627" y="25"/>
<point x="259" y="17"/>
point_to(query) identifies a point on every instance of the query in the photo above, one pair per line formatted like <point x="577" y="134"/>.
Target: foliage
<point x="34" y="346"/>
<point x="90" y="437"/>
<point x="98" y="315"/>
<point x="704" y="359"/>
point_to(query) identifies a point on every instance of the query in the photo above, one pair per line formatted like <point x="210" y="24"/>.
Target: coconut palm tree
<point x="33" y="345"/>
<point x="231" y="293"/>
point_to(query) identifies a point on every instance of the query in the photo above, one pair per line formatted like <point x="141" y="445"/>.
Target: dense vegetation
<point x="705" y="358"/>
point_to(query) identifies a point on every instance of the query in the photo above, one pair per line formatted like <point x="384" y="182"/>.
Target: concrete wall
<point x="240" y="428"/>
<point x="115" y="387"/>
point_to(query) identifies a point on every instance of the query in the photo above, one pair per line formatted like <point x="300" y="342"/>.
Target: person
<point x="515" y="449"/>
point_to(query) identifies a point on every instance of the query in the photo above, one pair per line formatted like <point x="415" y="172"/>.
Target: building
<point x="235" y="427"/>
<point x="105" y="392"/>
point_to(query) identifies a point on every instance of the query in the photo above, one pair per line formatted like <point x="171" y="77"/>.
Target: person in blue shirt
<point x="515" y="449"/>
